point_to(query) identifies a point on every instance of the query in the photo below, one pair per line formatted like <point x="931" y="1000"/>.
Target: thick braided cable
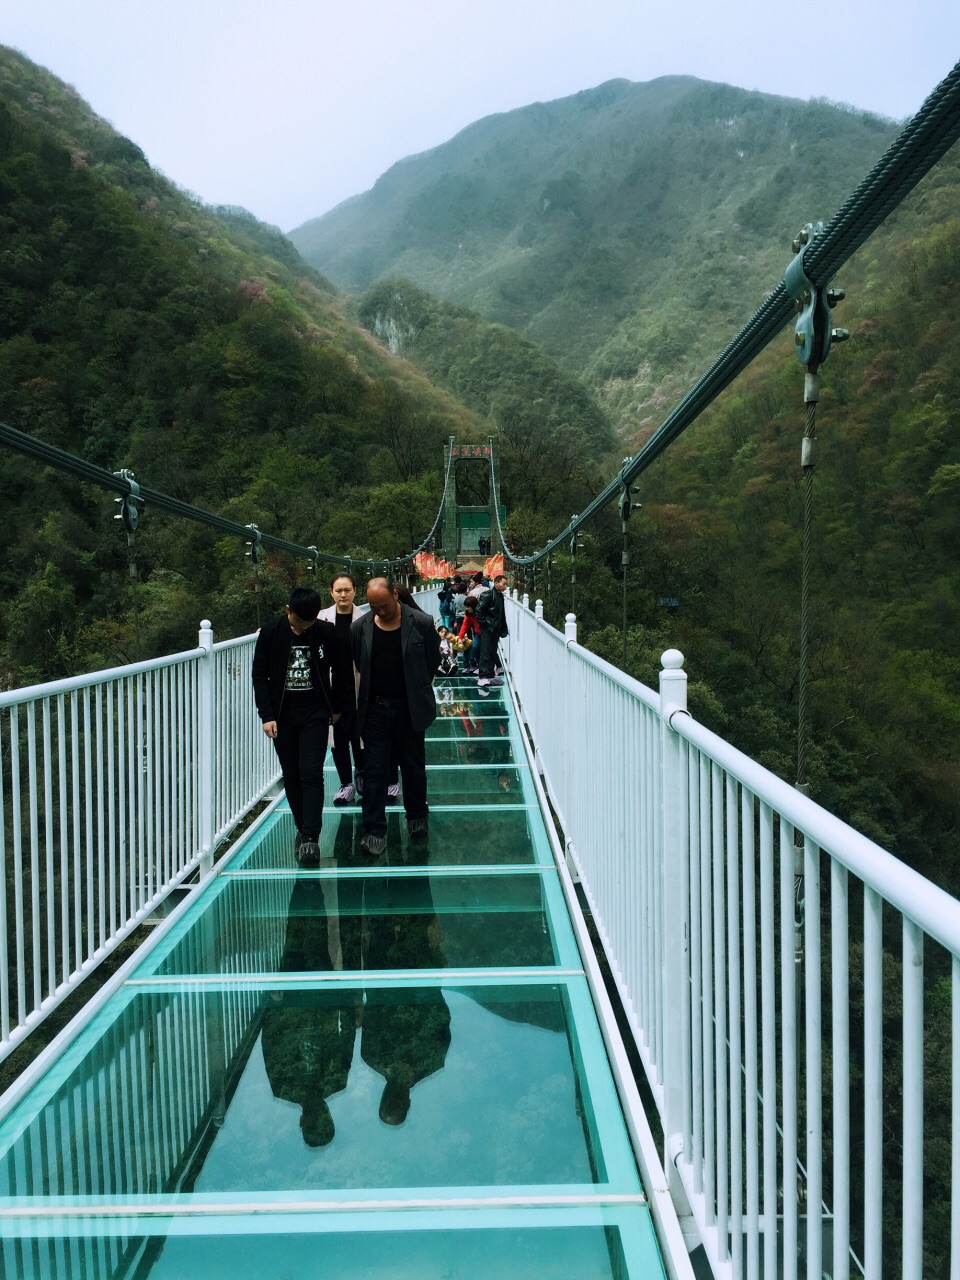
<point x="52" y="456"/>
<point x="924" y="140"/>
<point x="433" y="528"/>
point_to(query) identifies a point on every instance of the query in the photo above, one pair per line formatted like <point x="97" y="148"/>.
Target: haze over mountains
<point x="627" y="225"/>
<point x="139" y="328"/>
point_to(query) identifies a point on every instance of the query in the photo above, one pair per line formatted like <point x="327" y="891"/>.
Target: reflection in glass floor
<point x="387" y="1069"/>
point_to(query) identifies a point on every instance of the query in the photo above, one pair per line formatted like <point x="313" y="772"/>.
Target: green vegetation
<point x="628" y="229"/>
<point x="720" y="532"/>
<point x="720" y="528"/>
<point x="138" y="329"/>
<point x="551" y="433"/>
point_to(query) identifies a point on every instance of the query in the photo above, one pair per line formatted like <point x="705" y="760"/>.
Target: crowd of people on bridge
<point x="363" y="682"/>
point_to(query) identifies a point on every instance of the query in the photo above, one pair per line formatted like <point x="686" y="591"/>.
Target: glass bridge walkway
<point x="389" y="1070"/>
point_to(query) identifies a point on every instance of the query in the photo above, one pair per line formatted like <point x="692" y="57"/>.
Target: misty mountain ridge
<point x="628" y="229"/>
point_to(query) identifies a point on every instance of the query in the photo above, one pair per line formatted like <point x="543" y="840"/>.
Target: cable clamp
<point x="812" y="333"/>
<point x="255" y="544"/>
<point x="625" y="503"/>
<point x="129" y="511"/>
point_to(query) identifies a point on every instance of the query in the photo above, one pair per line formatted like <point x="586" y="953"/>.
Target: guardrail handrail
<point x="937" y="912"/>
<point x="758" y="989"/>
<point x="114" y="791"/>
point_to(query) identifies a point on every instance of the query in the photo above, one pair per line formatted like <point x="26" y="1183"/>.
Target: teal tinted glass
<point x="255" y="1091"/>
<point x="305" y="1060"/>
<point x="495" y="748"/>
<point x="479" y="784"/>
<point x="463" y="836"/>
<point x="589" y="1250"/>
<point x="454" y="726"/>
<point x="326" y="923"/>
<point x="471" y="783"/>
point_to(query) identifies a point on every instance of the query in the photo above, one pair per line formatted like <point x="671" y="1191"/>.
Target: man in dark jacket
<point x="396" y="650"/>
<point x="492" y="616"/>
<point x="301" y="679"/>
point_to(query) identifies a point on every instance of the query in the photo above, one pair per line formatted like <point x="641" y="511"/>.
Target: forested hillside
<point x="720" y="534"/>
<point x="138" y="329"/>
<point x="553" y="437"/>
<point x="627" y="229"/>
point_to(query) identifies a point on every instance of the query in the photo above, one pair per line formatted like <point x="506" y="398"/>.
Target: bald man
<point x="396" y="650"/>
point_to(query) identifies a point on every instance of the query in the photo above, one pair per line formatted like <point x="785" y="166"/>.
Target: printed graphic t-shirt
<point x="300" y="676"/>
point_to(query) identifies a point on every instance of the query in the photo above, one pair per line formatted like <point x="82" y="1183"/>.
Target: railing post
<point x="538" y="609"/>
<point x="206" y="765"/>
<point x="674" y="962"/>
<point x="570" y="628"/>
<point x="526" y="601"/>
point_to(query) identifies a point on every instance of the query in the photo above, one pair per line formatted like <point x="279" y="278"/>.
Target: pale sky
<point x="288" y="107"/>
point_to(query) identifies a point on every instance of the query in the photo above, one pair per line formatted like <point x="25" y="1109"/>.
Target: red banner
<point x="428" y="566"/>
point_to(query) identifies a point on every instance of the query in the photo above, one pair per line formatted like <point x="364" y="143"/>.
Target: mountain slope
<point x="139" y="330"/>
<point x="628" y="228"/>
<point x="551" y="432"/>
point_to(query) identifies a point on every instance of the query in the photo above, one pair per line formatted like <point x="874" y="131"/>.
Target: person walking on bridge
<point x="492" y="617"/>
<point x="343" y="613"/>
<point x="396" y="650"/>
<point x="301" y="680"/>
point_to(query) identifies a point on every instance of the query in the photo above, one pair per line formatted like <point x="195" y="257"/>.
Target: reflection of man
<point x="406" y="1035"/>
<point x="492" y="616"/>
<point x="357" y="923"/>
<point x="298" y="681"/>
<point x="308" y="1036"/>
<point x="396" y="649"/>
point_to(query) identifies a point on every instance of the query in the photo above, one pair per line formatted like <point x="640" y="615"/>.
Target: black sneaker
<point x="308" y="855"/>
<point x="297" y="842"/>
<point x="374" y="845"/>
<point x="417" y="828"/>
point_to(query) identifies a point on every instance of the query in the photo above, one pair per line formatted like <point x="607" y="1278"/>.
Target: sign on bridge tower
<point x="464" y="528"/>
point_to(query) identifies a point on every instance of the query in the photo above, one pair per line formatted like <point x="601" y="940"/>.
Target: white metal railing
<point x="770" y="960"/>
<point x="165" y="1070"/>
<point x="115" y="787"/>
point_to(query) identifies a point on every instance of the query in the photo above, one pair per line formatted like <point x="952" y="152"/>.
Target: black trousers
<point x="301" y="747"/>
<point x="388" y="737"/>
<point x="345" y="740"/>
<point x="488" y="650"/>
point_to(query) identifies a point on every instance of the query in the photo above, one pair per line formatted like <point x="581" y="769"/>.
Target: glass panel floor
<point x="361" y="1070"/>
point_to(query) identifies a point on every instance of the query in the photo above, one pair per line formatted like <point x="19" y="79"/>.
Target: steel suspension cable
<point x="924" y="140"/>
<point x="53" y="456"/>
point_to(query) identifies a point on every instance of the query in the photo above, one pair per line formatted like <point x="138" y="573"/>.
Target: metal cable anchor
<point x="813" y="333"/>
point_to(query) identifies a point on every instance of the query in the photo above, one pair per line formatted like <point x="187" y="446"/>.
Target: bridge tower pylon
<point x="462" y="526"/>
